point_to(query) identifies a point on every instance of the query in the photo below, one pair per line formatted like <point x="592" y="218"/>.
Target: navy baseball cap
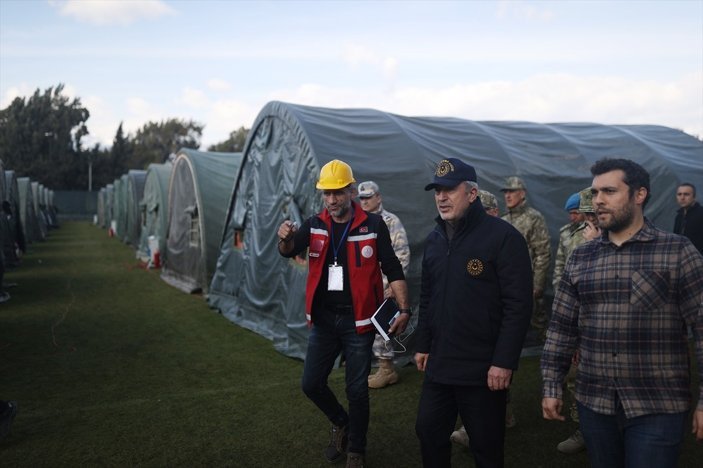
<point x="451" y="172"/>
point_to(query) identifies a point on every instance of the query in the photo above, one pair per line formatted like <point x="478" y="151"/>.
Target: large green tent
<point x="288" y="143"/>
<point x="199" y="189"/>
<point x="28" y="217"/>
<point x="133" y="197"/>
<point x="109" y="205"/>
<point x="51" y="210"/>
<point x="39" y="210"/>
<point x="154" y="208"/>
<point x="121" y="195"/>
<point x="16" y="238"/>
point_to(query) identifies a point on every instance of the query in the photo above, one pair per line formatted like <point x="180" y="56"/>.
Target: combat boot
<point x="460" y="437"/>
<point x="385" y="375"/>
<point x="574" y="444"/>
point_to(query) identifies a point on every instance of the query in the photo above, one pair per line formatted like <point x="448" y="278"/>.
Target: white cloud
<point x="224" y="116"/>
<point x="357" y="56"/>
<point x="138" y="106"/>
<point x="193" y="98"/>
<point x="22" y="90"/>
<point x="216" y="84"/>
<point x="540" y="98"/>
<point x="121" y="12"/>
<point x="390" y="68"/>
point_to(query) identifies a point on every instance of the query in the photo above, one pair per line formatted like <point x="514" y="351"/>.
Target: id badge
<point x="335" y="278"/>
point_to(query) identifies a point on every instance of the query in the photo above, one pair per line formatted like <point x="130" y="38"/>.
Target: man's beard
<point x="619" y="220"/>
<point x="340" y="211"/>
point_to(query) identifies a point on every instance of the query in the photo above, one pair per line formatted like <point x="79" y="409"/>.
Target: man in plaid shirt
<point x="623" y="304"/>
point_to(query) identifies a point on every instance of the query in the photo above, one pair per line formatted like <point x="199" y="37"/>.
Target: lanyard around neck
<point x="336" y="247"/>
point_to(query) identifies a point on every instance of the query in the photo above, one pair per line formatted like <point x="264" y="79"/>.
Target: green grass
<point x="113" y="367"/>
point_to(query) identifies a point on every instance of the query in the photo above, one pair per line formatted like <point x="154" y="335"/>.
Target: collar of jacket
<point x="519" y="209"/>
<point x="693" y="206"/>
<point x="646" y="234"/>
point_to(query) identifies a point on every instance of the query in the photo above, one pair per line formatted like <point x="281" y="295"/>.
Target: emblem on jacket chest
<point x="474" y="267"/>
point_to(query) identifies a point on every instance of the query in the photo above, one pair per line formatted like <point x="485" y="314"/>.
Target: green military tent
<point x="121" y="197"/>
<point x="154" y="208"/>
<point x="39" y="210"/>
<point x="109" y="205"/>
<point x="51" y="210"/>
<point x="16" y="240"/>
<point x="28" y="217"/>
<point x="256" y="288"/>
<point x="199" y="189"/>
<point x="133" y="197"/>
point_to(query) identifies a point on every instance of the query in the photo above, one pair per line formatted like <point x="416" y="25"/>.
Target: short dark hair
<point x="636" y="176"/>
<point x="688" y="184"/>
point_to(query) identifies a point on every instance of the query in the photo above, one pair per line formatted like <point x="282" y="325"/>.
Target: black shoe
<point x="337" y="448"/>
<point x="7" y="417"/>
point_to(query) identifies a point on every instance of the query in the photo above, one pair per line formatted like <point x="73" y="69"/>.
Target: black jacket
<point x="476" y="298"/>
<point x="693" y="227"/>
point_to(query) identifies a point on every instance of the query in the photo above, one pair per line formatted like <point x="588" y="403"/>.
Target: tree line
<point x="42" y="137"/>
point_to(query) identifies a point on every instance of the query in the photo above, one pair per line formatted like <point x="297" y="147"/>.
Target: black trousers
<point x="482" y="411"/>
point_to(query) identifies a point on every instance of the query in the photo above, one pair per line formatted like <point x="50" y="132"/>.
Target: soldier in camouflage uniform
<point x="570" y="236"/>
<point x="489" y="202"/>
<point x="370" y="200"/>
<point x="533" y="227"/>
<point x="587" y="231"/>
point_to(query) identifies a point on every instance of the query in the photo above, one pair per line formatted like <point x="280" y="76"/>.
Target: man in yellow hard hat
<point x="348" y="249"/>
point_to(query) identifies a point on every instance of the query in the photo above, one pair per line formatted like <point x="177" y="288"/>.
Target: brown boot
<point x="385" y="375"/>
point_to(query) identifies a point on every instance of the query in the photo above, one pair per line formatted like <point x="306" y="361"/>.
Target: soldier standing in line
<point x="533" y="227"/>
<point x="570" y="236"/>
<point x="584" y="232"/>
<point x="371" y="202"/>
<point x="489" y="202"/>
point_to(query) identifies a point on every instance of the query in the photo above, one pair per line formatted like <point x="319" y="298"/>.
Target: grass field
<point x="112" y="367"/>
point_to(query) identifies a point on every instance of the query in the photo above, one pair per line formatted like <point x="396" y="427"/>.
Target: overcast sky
<point x="219" y="62"/>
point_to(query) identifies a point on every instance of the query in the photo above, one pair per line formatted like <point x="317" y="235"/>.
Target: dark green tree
<point x="121" y="153"/>
<point x="41" y="137"/>
<point x="155" y="141"/>
<point x="233" y="144"/>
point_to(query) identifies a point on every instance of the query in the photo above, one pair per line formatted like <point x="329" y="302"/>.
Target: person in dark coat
<point x="475" y="309"/>
<point x="689" y="218"/>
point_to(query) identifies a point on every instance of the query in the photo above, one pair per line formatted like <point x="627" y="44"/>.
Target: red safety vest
<point x="362" y="265"/>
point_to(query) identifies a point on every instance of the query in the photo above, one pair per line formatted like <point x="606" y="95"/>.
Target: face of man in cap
<point x="575" y="216"/>
<point x="453" y="193"/>
<point x="513" y="197"/>
<point x="369" y="197"/>
<point x="452" y="202"/>
<point x="371" y="203"/>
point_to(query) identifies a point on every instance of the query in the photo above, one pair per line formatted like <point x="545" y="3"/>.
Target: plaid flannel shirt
<point x="625" y="309"/>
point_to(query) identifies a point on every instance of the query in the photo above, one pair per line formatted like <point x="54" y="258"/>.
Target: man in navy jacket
<point x="475" y="309"/>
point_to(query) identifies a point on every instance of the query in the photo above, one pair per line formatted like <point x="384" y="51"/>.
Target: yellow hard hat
<point x="335" y="175"/>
